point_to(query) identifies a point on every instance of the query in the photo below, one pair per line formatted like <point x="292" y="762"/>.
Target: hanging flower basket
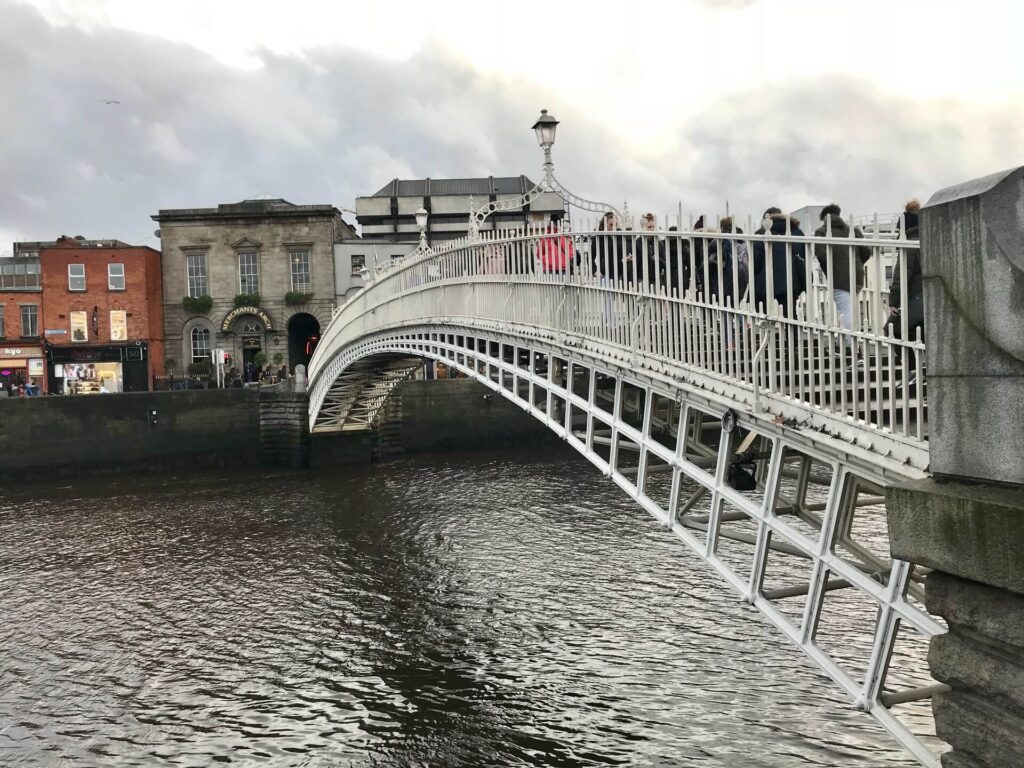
<point x="197" y="305"/>
<point x="296" y="298"/>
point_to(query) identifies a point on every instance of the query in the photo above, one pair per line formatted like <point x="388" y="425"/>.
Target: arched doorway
<point x="254" y="358"/>
<point x="303" y="335"/>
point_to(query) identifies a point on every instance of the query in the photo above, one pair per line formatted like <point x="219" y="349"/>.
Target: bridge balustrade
<point x="766" y="333"/>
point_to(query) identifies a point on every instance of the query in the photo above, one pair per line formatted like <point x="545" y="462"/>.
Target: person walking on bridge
<point x="783" y="255"/>
<point x="912" y="291"/>
<point x="554" y="251"/>
<point x="843" y="265"/>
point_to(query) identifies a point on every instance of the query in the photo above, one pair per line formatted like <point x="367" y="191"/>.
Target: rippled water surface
<point x="496" y="609"/>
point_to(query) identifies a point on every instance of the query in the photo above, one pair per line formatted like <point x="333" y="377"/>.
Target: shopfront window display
<point x="91" y="378"/>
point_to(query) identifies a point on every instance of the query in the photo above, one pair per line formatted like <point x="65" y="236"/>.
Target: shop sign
<point x="250" y="343"/>
<point x="20" y="351"/>
<point x="236" y="313"/>
<point x="36" y="367"/>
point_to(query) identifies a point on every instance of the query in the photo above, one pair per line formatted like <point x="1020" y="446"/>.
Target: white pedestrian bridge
<point x="762" y="435"/>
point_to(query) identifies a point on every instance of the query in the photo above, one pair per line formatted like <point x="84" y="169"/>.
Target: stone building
<point x="254" y="278"/>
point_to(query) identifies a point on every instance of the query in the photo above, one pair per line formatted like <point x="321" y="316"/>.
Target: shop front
<point x="22" y="370"/>
<point x="99" y="369"/>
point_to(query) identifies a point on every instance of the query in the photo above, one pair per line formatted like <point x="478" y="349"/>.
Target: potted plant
<point x="278" y="358"/>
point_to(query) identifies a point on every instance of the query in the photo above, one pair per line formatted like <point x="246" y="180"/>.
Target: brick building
<point x="102" y="315"/>
<point x="254" y="278"/>
<point x="21" y="297"/>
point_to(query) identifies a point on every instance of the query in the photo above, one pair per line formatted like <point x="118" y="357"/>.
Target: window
<point x="76" y="277"/>
<point x="115" y="277"/>
<point x="248" y="272"/>
<point x="200" y="345"/>
<point x="29" y="320"/>
<point x="397" y="256"/>
<point x="195" y="264"/>
<point x="118" y="325"/>
<point x="252" y="328"/>
<point x="20" y="274"/>
<point x="79" y="327"/>
<point x="358" y="262"/>
<point x="3" y="331"/>
<point x="300" y="271"/>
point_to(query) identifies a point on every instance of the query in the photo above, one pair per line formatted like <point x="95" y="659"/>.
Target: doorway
<point x="251" y="346"/>
<point x="303" y="335"/>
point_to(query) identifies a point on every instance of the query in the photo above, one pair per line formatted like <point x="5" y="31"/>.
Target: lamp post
<point x="545" y="130"/>
<point x="421" y="221"/>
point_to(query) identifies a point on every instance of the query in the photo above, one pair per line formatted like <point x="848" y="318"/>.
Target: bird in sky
<point x="111" y="101"/>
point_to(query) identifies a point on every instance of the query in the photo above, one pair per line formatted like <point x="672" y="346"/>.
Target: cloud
<point x="333" y="124"/>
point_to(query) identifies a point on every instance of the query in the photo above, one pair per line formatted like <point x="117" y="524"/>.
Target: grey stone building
<point x="250" y="277"/>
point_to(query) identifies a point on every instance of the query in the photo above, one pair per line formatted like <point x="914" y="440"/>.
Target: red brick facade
<point x="140" y="299"/>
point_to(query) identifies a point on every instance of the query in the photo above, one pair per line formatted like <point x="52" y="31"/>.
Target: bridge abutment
<point x="967" y="522"/>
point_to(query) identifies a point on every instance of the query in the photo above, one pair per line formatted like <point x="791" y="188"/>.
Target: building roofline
<point x="247" y="209"/>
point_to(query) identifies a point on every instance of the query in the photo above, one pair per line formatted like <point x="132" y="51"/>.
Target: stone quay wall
<point x="46" y="437"/>
<point x="43" y="437"/>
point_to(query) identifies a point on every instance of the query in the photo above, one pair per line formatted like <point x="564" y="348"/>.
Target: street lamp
<point x="421" y="222"/>
<point x="545" y="130"/>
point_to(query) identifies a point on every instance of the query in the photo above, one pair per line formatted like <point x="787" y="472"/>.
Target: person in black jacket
<point x="783" y="254"/>
<point x="914" y="291"/>
<point x="648" y="256"/>
<point x="608" y="253"/>
<point x="725" y="252"/>
<point x="675" y="267"/>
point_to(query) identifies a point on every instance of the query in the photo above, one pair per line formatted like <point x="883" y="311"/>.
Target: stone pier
<point x="967" y="521"/>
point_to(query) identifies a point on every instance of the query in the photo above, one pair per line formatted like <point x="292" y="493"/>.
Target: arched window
<point x="200" y="345"/>
<point x="252" y="327"/>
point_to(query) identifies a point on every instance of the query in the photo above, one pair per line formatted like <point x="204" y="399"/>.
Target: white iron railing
<point x="670" y="301"/>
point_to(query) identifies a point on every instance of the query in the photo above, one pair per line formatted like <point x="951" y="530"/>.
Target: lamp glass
<point x="545" y="133"/>
<point x="421" y="218"/>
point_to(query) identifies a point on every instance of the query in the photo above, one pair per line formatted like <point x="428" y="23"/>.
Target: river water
<point x="495" y="609"/>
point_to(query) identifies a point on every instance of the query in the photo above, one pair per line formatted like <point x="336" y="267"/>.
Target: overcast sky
<point x="114" y="109"/>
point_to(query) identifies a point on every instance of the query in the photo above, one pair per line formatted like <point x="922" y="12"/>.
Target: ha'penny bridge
<point x="764" y="434"/>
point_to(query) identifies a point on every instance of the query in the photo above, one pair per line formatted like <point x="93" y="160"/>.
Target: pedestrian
<point x="731" y="256"/>
<point x="906" y="301"/>
<point x="608" y="252"/>
<point x="554" y="251"/>
<point x="648" y="254"/>
<point x="843" y="265"/>
<point x="788" y="264"/>
<point x="676" y="265"/>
